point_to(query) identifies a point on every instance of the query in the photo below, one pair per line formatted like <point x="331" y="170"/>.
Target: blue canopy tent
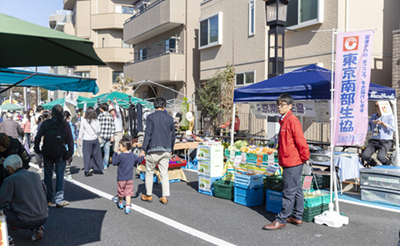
<point x="307" y="83"/>
<point x="47" y="81"/>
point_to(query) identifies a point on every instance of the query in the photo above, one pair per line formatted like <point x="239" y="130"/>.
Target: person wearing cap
<point x="119" y="130"/>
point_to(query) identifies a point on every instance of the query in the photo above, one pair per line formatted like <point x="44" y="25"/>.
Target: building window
<point x="251" y="18"/>
<point x="124" y="9"/>
<point x="170" y="45"/>
<point x="82" y="74"/>
<point x="245" y="78"/>
<point x="211" y="31"/>
<point x="103" y="42"/>
<point x="301" y="13"/>
<point x="143" y="54"/>
<point x="115" y="75"/>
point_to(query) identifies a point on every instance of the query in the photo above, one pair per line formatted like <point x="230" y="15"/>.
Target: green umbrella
<point x="61" y="101"/>
<point x="122" y="100"/>
<point x="10" y="106"/>
<point x="24" y="44"/>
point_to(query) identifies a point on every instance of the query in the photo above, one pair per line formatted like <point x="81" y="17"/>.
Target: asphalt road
<point x="191" y="218"/>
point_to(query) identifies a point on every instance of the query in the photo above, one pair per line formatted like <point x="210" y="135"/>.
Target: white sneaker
<point x="40" y="170"/>
<point x="69" y="177"/>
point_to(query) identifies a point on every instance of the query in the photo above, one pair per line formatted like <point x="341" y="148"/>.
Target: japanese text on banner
<point x="352" y="78"/>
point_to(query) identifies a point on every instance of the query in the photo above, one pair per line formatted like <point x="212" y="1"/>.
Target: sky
<point x="34" y="11"/>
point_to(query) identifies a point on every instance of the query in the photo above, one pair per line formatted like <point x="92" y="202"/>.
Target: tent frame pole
<point x="394" y="103"/>
<point x="19" y="82"/>
<point x="233" y="123"/>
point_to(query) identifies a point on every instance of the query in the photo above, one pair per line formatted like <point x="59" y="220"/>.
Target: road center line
<point x="165" y="220"/>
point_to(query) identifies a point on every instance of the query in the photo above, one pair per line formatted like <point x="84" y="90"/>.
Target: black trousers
<point x="92" y="155"/>
<point x="292" y="199"/>
<point x="383" y="146"/>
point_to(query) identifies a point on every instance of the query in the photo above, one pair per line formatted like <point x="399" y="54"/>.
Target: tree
<point x="215" y="96"/>
<point x="122" y="84"/>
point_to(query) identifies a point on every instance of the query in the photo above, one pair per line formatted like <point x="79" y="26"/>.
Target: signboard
<point x="300" y="108"/>
<point x="307" y="182"/>
<point x="352" y="78"/>
<point x="385" y="107"/>
<point x="259" y="160"/>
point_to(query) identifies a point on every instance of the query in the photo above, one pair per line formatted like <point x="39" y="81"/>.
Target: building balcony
<point x="115" y="54"/>
<point x="109" y="20"/>
<point x="154" y="19"/>
<point x="58" y="18"/>
<point x="162" y="67"/>
<point x="69" y="4"/>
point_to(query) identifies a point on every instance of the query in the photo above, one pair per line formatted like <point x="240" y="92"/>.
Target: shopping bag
<point x="26" y="146"/>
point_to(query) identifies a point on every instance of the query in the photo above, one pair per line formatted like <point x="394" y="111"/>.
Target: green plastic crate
<point x="274" y="183"/>
<point x="228" y="153"/>
<point x="310" y="212"/>
<point x="223" y="189"/>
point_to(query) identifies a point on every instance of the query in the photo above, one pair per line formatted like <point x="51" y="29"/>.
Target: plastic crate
<point x="155" y="178"/>
<point x="223" y="189"/>
<point x="274" y="183"/>
<point x="273" y="207"/>
<point x="253" y="157"/>
<point x="274" y="196"/>
<point x="228" y="153"/>
<point x="205" y="185"/>
<point x="248" y="196"/>
<point x="248" y="180"/>
<point x="310" y="212"/>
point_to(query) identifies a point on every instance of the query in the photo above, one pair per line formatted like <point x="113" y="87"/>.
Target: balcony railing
<point x="68" y="15"/>
<point x="144" y="7"/>
<point x="155" y="55"/>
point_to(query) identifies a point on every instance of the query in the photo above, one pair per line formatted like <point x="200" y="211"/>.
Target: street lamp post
<point x="276" y="12"/>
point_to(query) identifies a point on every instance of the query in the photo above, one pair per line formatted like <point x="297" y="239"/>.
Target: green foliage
<point x="184" y="109"/>
<point x="209" y="95"/>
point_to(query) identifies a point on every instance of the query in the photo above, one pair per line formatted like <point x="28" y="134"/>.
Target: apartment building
<point x="164" y="36"/>
<point x="100" y="21"/>
<point x="236" y="32"/>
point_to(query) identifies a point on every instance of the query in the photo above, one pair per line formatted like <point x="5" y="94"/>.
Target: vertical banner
<point x="352" y="78"/>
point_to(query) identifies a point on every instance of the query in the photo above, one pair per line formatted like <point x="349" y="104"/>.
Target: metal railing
<point x="139" y="12"/>
<point x="155" y="55"/>
<point x="68" y="15"/>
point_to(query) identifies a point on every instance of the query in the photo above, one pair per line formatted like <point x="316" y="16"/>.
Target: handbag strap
<point x="93" y="128"/>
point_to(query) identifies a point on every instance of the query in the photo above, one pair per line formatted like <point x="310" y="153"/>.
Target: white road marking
<point x="165" y="220"/>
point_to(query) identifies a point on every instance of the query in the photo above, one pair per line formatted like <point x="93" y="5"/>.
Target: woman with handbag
<point x="26" y="126"/>
<point x="89" y="133"/>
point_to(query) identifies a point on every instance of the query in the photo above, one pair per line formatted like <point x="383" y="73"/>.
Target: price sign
<point x="232" y="156"/>
<point x="271" y="169"/>
<point x="244" y="158"/>
<point x="307" y="182"/>
<point x="237" y="161"/>
<point x="259" y="160"/>
<point x="271" y="159"/>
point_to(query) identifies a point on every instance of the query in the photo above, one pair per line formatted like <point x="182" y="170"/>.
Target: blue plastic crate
<point x="205" y="190"/>
<point x="274" y="196"/>
<point x="273" y="207"/>
<point x="247" y="196"/>
<point x="248" y="180"/>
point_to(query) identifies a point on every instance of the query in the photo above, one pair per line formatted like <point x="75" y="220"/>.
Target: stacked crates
<point x="248" y="189"/>
<point x="210" y="165"/>
<point x="223" y="189"/>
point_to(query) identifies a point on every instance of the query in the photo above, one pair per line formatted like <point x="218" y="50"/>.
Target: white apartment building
<point x="100" y="21"/>
<point x="236" y="32"/>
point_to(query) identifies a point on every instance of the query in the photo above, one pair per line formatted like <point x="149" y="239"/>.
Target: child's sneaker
<point x="69" y="177"/>
<point x="11" y="241"/>
<point x="127" y="210"/>
<point x="120" y="205"/>
<point x="37" y="234"/>
<point x="105" y="167"/>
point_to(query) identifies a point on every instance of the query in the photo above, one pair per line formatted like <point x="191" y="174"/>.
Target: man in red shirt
<point x="293" y="151"/>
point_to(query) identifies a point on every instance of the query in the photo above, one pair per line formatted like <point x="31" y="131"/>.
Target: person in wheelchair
<point x="382" y="128"/>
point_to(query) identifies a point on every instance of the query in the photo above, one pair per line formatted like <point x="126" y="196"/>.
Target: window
<point x="103" y="42"/>
<point x="124" y="9"/>
<point x="170" y="45"/>
<point x="211" y="31"/>
<point x="127" y="10"/>
<point x="115" y="75"/>
<point x="82" y="74"/>
<point x="251" y="18"/>
<point x="245" y="78"/>
<point x="143" y="54"/>
<point x="302" y="13"/>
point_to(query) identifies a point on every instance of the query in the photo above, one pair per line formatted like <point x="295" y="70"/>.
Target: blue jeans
<point x="106" y="148"/>
<point x="48" y="179"/>
<point x="292" y="199"/>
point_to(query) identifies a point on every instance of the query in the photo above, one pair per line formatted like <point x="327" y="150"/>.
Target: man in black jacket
<point x="159" y="141"/>
<point x="10" y="146"/>
<point x="56" y="134"/>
